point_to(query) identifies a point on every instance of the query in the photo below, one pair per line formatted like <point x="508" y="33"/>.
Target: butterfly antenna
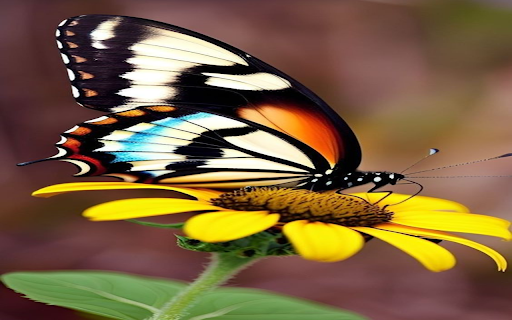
<point x="431" y="152"/>
<point x="436" y="177"/>
<point x="463" y="163"/>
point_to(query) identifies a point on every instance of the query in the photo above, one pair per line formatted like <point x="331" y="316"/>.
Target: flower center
<point x="297" y="204"/>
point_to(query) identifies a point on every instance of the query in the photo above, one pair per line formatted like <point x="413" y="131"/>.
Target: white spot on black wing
<point x="64" y="58"/>
<point x="75" y="92"/>
<point x="71" y="75"/>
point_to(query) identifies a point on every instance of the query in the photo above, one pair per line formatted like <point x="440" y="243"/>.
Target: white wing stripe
<point x="271" y="145"/>
<point x="178" y="54"/>
<point x="214" y="122"/>
<point x="151" y="77"/>
<point x="255" y="81"/>
<point x="161" y="46"/>
<point x="143" y="62"/>
<point x="189" y="43"/>
<point x="148" y="93"/>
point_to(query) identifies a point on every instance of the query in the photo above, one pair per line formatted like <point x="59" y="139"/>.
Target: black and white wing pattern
<point x="176" y="145"/>
<point x="117" y="63"/>
<point x="132" y="66"/>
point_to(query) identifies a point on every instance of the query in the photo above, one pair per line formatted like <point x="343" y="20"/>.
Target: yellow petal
<point x="202" y="194"/>
<point x="228" y="225"/>
<point x="144" y="207"/>
<point x="430" y="255"/>
<point x="321" y="241"/>
<point x="458" y="222"/>
<point x="498" y="258"/>
<point x="415" y="203"/>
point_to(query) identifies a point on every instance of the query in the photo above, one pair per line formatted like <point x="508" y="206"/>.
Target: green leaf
<point x="126" y="297"/>
<point x="112" y="295"/>
<point x="251" y="304"/>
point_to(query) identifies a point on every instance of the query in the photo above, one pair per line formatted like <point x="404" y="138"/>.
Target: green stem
<point x="221" y="268"/>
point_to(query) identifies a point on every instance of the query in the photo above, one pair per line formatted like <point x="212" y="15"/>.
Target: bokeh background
<point x="406" y="75"/>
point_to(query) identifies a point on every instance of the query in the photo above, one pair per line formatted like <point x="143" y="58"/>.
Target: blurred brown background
<point x="406" y="75"/>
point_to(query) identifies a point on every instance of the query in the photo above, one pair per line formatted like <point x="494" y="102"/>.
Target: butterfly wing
<point x="177" y="145"/>
<point x="119" y="63"/>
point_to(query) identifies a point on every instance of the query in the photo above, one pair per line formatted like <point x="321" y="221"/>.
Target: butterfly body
<point x="190" y="110"/>
<point x="357" y="178"/>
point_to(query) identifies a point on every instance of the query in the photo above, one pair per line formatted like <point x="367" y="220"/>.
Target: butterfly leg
<point x="387" y="192"/>
<point x="375" y="187"/>
<point x="411" y="196"/>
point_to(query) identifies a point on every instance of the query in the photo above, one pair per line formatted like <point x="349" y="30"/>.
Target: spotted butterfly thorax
<point x="189" y="110"/>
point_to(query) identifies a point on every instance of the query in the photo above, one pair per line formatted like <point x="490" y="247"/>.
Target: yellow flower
<point x="324" y="227"/>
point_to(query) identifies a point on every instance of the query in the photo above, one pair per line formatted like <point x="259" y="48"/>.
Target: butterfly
<point x="189" y="110"/>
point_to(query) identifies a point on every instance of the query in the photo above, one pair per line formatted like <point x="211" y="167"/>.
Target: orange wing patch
<point x="131" y="113"/>
<point x="310" y="127"/>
